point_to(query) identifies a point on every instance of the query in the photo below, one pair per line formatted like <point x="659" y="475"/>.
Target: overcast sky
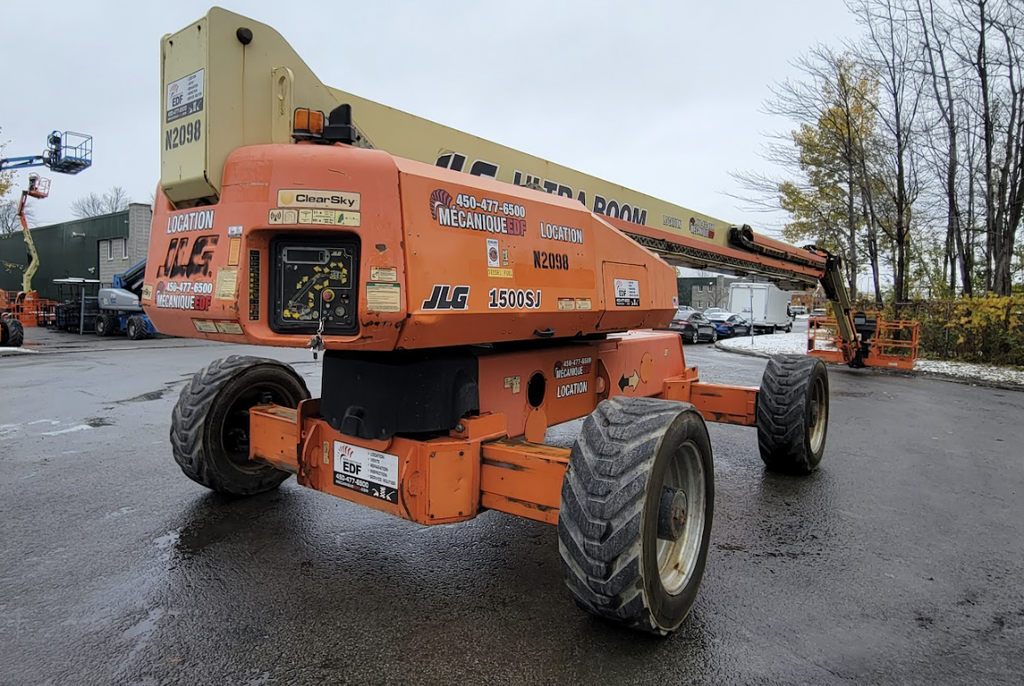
<point x="663" y="97"/>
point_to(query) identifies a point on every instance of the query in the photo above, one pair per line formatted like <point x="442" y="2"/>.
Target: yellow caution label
<point x="227" y="284"/>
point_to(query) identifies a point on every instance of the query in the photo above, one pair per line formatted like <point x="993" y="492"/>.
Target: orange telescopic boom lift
<point x="460" y="315"/>
<point x="66" y="153"/>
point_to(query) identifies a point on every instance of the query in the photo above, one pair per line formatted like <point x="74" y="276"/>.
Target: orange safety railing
<point x="28" y="308"/>
<point x="823" y="339"/>
<point x="894" y="344"/>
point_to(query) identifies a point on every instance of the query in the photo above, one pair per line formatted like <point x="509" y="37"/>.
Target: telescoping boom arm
<point x="261" y="82"/>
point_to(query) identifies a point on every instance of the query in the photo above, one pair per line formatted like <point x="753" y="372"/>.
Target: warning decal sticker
<point x="368" y="472"/>
<point x="627" y="293"/>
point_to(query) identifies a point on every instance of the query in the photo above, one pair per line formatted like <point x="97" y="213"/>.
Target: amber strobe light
<point x="307" y="124"/>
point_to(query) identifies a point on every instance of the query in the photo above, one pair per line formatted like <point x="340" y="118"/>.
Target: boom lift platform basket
<point x="892" y="344"/>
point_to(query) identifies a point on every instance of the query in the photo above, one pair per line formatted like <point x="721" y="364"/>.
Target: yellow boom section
<point x="229" y="81"/>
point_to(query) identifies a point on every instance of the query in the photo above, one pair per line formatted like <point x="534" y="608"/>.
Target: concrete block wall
<point x="117" y="254"/>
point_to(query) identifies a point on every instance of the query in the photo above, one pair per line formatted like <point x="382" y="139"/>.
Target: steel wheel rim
<point x="677" y="559"/>
<point x="234" y="430"/>
<point x="818" y="414"/>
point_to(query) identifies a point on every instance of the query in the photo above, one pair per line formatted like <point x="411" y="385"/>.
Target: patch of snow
<point x="79" y="427"/>
<point x="968" y="370"/>
<point x="796" y="343"/>
<point x="769" y="344"/>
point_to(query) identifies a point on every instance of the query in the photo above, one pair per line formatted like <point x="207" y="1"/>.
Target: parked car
<point x="819" y="312"/>
<point x="798" y="310"/>
<point x="730" y="324"/>
<point x="714" y="310"/>
<point x="693" y="326"/>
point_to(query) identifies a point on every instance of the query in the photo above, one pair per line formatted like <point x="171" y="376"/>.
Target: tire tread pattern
<point x="782" y="414"/>
<point x="599" y="523"/>
<point x="13" y="334"/>
<point x="188" y="424"/>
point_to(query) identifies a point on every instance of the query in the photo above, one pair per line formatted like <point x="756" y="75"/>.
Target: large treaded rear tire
<point x="609" y="535"/>
<point x="792" y="413"/>
<point x="209" y="425"/>
<point x="136" y="328"/>
<point x="12" y="333"/>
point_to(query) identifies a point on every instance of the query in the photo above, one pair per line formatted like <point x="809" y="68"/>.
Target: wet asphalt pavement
<point x="900" y="562"/>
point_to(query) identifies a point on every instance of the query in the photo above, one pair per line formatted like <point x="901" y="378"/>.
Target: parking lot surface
<point x="900" y="562"/>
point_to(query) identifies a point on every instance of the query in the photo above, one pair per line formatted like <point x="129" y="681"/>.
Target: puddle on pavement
<point x="153" y="395"/>
<point x="145" y="397"/>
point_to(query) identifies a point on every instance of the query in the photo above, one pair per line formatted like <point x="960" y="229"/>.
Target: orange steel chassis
<point x="496" y="460"/>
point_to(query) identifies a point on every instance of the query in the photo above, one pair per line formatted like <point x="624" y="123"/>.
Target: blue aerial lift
<point x="120" y="309"/>
<point x="66" y="153"/>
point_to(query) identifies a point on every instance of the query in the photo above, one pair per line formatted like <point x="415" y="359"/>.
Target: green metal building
<point x="91" y="248"/>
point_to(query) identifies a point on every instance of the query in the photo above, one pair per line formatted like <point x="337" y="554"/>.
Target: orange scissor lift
<point x="460" y="316"/>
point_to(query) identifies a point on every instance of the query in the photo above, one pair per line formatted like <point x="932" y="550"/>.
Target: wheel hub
<point x="671" y="514"/>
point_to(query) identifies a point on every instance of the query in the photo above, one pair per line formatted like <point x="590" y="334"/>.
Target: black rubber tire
<point x="12" y="333"/>
<point x="611" y="497"/>
<point x="104" y="325"/>
<point x="696" y="337"/>
<point x="213" y="412"/>
<point x="792" y="407"/>
<point x="714" y="336"/>
<point x="789" y="327"/>
<point x="136" y="328"/>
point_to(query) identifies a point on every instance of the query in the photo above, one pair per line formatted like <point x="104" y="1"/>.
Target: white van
<point x="763" y="304"/>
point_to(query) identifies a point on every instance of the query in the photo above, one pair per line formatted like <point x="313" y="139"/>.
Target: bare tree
<point x="833" y="104"/>
<point x="9" y="221"/>
<point x="5" y="177"/>
<point x="92" y="205"/>
<point x="930" y="182"/>
<point x="890" y="47"/>
<point x="936" y="35"/>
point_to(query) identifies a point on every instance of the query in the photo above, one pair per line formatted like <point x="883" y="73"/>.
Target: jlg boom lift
<point x="460" y="315"/>
<point x="66" y="153"/>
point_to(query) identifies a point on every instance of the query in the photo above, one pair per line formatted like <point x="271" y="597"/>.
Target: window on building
<point x="124" y="248"/>
<point x="110" y="249"/>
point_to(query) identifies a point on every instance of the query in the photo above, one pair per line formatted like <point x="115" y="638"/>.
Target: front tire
<point x="12" y="333"/>
<point x="210" y="422"/>
<point x="696" y="337"/>
<point x="636" y="509"/>
<point x="792" y="413"/>
<point x="714" y="336"/>
<point x="104" y="325"/>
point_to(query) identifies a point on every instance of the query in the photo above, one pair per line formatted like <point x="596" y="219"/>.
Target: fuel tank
<point x="373" y="253"/>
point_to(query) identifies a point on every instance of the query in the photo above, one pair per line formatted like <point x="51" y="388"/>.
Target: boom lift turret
<point x="460" y="315"/>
